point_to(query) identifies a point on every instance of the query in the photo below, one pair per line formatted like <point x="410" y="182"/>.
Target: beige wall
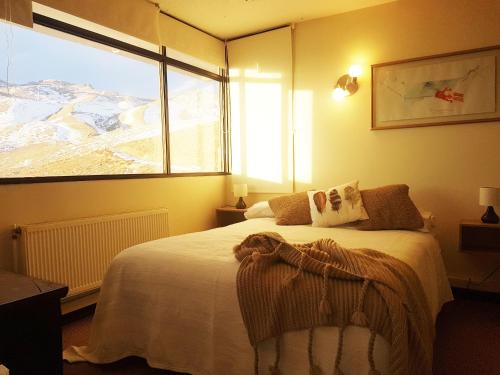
<point x="443" y="165"/>
<point x="191" y="202"/>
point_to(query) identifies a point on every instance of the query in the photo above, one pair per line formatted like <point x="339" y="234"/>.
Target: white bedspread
<point x="173" y="301"/>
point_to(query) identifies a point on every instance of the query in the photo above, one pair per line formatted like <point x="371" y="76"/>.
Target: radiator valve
<point x="16" y="232"/>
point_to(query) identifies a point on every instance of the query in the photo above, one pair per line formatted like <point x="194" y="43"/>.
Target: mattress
<point x="173" y="301"/>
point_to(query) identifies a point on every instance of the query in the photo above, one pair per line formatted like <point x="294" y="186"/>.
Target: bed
<point x="173" y="302"/>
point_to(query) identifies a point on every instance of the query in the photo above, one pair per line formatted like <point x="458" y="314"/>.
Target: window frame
<point x="164" y="61"/>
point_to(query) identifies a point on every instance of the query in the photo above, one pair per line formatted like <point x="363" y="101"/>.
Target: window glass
<point x="70" y="107"/>
<point x="195" y="127"/>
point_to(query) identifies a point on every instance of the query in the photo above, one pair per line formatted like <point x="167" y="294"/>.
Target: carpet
<point x="468" y="339"/>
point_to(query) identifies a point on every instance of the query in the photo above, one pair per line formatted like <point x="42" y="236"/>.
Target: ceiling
<point x="227" y="19"/>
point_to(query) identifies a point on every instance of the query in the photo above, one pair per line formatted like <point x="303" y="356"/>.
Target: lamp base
<point x="241" y="204"/>
<point x="490" y="216"/>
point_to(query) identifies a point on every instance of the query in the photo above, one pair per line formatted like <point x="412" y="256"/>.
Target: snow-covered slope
<point x="46" y="125"/>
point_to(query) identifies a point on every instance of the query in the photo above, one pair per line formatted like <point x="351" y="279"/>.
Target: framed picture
<point x="452" y="88"/>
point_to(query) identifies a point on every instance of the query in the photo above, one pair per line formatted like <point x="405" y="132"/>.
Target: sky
<point x="36" y="56"/>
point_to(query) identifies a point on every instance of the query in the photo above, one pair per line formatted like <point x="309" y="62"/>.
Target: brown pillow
<point x="291" y="209"/>
<point x="390" y="207"/>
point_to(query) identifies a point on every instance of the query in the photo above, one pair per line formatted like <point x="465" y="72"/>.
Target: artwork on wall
<point x="453" y="88"/>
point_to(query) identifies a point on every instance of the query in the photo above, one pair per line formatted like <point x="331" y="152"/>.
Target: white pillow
<point x="337" y="205"/>
<point x="259" y="209"/>
<point x="429" y="221"/>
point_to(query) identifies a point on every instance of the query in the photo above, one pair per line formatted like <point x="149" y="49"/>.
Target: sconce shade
<point x="348" y="84"/>
<point x="240" y="190"/>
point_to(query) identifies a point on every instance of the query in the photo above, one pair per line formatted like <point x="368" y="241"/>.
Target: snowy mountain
<point x="37" y="101"/>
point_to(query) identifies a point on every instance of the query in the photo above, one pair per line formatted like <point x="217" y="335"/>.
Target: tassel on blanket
<point x="255" y="360"/>
<point x="256" y="256"/>
<point x="359" y="318"/>
<point x="290" y="281"/>
<point x="275" y="368"/>
<point x="340" y="348"/>
<point x="371" y="361"/>
<point x="325" y="307"/>
<point x="315" y="370"/>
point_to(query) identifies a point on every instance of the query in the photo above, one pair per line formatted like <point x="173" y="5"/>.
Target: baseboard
<point x="78" y="314"/>
<point x="472" y="290"/>
<point x="476" y="295"/>
<point x="79" y="302"/>
<point x="470" y="284"/>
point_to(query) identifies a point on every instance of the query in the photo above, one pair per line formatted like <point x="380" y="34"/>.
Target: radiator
<point x="78" y="252"/>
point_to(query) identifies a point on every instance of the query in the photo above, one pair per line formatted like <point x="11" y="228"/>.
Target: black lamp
<point x="240" y="191"/>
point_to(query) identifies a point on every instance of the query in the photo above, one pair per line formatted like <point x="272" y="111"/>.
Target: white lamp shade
<point x="489" y="196"/>
<point x="240" y="190"/>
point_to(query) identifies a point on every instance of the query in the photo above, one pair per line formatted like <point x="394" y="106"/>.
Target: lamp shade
<point x="355" y="70"/>
<point x="489" y="196"/>
<point x="240" y="190"/>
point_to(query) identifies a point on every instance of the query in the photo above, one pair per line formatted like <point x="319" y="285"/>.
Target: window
<point x="194" y="123"/>
<point x="79" y="105"/>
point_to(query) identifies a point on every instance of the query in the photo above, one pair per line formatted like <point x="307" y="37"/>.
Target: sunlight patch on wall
<point x="303" y="119"/>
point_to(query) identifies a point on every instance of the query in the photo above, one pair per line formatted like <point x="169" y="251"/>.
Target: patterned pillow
<point x="291" y="209"/>
<point x="338" y="205"/>
<point x="390" y="207"/>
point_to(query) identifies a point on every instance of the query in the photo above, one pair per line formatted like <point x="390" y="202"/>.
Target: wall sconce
<point x="348" y="83"/>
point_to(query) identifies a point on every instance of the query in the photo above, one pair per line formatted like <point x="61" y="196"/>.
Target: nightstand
<point x="229" y="215"/>
<point x="476" y="236"/>
<point x="30" y="325"/>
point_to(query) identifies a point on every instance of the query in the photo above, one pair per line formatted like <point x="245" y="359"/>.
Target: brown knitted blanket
<point x="284" y="287"/>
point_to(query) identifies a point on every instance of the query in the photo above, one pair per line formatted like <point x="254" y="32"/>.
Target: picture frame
<point x="446" y="89"/>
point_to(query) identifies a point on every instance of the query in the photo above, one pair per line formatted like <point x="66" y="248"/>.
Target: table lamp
<point x="240" y="191"/>
<point x="489" y="196"/>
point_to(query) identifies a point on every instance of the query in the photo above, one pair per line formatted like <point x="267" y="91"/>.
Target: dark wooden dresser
<point x="30" y="325"/>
